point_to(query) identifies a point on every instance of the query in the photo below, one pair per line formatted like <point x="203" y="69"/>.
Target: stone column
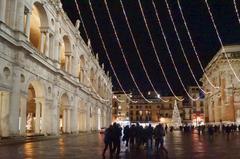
<point x="38" y="116"/>
<point x="88" y="117"/>
<point x="23" y="111"/>
<point x="14" y="102"/>
<point x="70" y="64"/>
<point x="64" y="120"/>
<point x="54" y="116"/>
<point x="27" y="27"/>
<point x="42" y="42"/>
<point x="68" y="120"/>
<point x="19" y="22"/>
<point x="66" y="63"/>
<point x="4" y="114"/>
<point x="47" y="44"/>
<point x="58" y="53"/>
<point x="2" y="10"/>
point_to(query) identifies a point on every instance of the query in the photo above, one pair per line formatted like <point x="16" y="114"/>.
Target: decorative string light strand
<point x="123" y="54"/>
<point x="155" y="51"/>
<point x="170" y="54"/>
<point x="193" y="46"/>
<point x="220" y="40"/>
<point x="81" y="19"/>
<point x="138" y="53"/>
<point x="106" y="52"/>
<point x="183" y="50"/>
<point x="236" y="10"/>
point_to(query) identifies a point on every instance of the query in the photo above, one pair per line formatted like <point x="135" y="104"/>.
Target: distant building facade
<point x="223" y="104"/>
<point x="120" y="107"/>
<point x="157" y="111"/>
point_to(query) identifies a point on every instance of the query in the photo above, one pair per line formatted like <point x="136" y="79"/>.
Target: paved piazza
<point x="89" y="146"/>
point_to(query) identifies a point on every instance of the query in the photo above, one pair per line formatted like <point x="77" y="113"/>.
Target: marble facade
<point x="50" y="81"/>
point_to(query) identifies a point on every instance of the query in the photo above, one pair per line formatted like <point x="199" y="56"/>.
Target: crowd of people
<point x="134" y="136"/>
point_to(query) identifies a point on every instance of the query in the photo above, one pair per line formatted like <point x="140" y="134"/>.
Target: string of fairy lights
<point x="106" y="52"/>
<point x="122" y="52"/>
<point x="155" y="51"/>
<point x="170" y="53"/>
<point x="138" y="52"/>
<point x="116" y="35"/>
<point x="183" y="50"/>
<point x="220" y="39"/>
<point x="193" y="45"/>
<point x="236" y="10"/>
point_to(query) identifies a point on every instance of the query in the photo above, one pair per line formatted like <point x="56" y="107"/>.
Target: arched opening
<point x="65" y="55"/>
<point x="38" y="37"/>
<point x="64" y="114"/>
<point x="32" y="114"/>
<point x="81" y="69"/>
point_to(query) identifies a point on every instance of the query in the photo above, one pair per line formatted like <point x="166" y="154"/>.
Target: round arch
<point x="65" y="53"/>
<point x="32" y="113"/>
<point x="38" y="21"/>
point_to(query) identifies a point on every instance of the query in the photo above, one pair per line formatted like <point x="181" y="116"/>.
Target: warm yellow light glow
<point x="35" y="24"/>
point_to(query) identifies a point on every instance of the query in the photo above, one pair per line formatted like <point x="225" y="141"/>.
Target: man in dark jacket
<point x="117" y="133"/>
<point x="108" y="140"/>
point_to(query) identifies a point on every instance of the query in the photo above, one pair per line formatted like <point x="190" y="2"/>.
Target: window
<point x="162" y="106"/>
<point x="136" y="107"/>
<point x="131" y="107"/>
<point x="131" y="112"/>
<point x="146" y="107"/>
<point x="137" y="112"/>
<point x="170" y="106"/>
<point x="166" y="115"/>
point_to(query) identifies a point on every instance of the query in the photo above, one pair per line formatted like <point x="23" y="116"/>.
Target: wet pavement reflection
<point x="90" y="146"/>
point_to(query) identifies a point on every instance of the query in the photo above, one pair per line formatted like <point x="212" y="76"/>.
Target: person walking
<point x="108" y="140"/>
<point x="150" y="135"/>
<point x="126" y="134"/>
<point x="159" y="134"/>
<point x="117" y="133"/>
<point x="132" y="134"/>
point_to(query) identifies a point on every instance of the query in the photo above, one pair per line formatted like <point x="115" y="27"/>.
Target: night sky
<point x="199" y="23"/>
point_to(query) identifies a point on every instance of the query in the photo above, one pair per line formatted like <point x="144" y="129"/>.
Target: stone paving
<point x="89" y="146"/>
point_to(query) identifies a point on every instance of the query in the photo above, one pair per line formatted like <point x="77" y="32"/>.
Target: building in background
<point x="155" y="112"/>
<point x="223" y="104"/>
<point x="120" y="108"/>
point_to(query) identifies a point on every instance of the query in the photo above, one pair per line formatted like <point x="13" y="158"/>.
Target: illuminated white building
<point x="224" y="103"/>
<point x="50" y="82"/>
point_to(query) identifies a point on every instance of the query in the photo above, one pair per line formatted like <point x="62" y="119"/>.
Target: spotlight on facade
<point x="158" y="95"/>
